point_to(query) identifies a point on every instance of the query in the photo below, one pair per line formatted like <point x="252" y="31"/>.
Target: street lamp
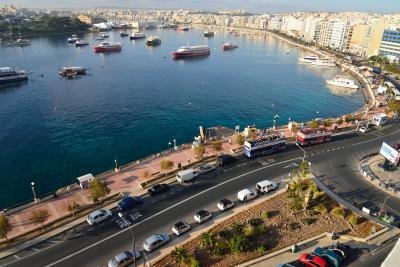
<point x="133" y="236"/>
<point x="116" y="165"/>
<point x="304" y="152"/>
<point x="275" y="118"/>
<point x="175" y="147"/>
<point x="33" y="191"/>
<point x="317" y="114"/>
<point x="383" y="204"/>
<point x="146" y="261"/>
<point x="169" y="145"/>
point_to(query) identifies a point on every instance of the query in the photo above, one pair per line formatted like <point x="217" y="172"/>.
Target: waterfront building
<point x="374" y="37"/>
<point x="85" y="19"/>
<point x="357" y="40"/>
<point x="333" y="33"/>
<point x="390" y="45"/>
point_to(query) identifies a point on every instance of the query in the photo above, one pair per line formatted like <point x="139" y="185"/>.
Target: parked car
<point x="225" y="204"/>
<point x="266" y="186"/>
<point x="98" y="216"/>
<point x="341" y="250"/>
<point x="328" y="255"/>
<point x="226" y="159"/>
<point x="124" y="259"/>
<point x="202" y="216"/>
<point x="364" y="129"/>
<point x="246" y="195"/>
<point x="186" y="175"/>
<point x="129" y="202"/>
<point x="155" y="241"/>
<point x="311" y="260"/>
<point x="157" y="189"/>
<point x="180" y="228"/>
<point x="205" y="168"/>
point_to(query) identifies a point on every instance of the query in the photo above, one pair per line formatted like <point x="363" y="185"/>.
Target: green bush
<point x="338" y="212"/>
<point x="265" y="214"/>
<point x="321" y="209"/>
<point x="261" y="249"/>
<point x="307" y="221"/>
<point x="219" y="248"/>
<point x="294" y="226"/>
<point x="238" y="244"/>
<point x="261" y="229"/>
<point x="255" y="222"/>
<point x="249" y="231"/>
<point x="353" y="219"/>
<point x="296" y="204"/>
<point x="237" y="228"/>
<point x="192" y="262"/>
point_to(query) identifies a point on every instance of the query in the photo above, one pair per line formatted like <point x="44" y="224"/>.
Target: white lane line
<point x="53" y="241"/>
<point x="16" y="256"/>
<point x="35" y="249"/>
<point x="171" y="207"/>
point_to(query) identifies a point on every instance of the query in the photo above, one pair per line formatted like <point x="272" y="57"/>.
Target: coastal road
<point x="335" y="163"/>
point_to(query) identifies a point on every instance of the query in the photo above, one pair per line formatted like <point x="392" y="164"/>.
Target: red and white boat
<point x="191" y="51"/>
<point x="308" y="136"/>
<point x="107" y="47"/>
<point x="229" y="46"/>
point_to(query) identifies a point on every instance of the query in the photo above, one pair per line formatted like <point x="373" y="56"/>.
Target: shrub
<point x="261" y="249"/>
<point x="314" y="124"/>
<point x="321" y="209"/>
<point x="307" y="221"/>
<point x="353" y="219"/>
<point x="249" y="231"/>
<point x="98" y="189"/>
<point x="294" y="226"/>
<point x="237" y="228"/>
<point x="239" y="138"/>
<point x="199" y="151"/>
<point x="255" y="222"/>
<point x="5" y="226"/>
<point x="338" y="212"/>
<point x="348" y="118"/>
<point x="179" y="254"/>
<point x="238" y="244"/>
<point x="40" y="216"/>
<point x="192" y="262"/>
<point x="216" y="145"/>
<point x="261" y="229"/>
<point x="265" y="214"/>
<point x="219" y="248"/>
<point x="208" y="240"/>
<point x="296" y="205"/>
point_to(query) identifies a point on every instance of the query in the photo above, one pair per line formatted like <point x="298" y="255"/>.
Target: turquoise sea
<point x="132" y="103"/>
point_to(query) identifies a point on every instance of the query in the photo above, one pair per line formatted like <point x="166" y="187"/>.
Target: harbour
<point x="134" y="102"/>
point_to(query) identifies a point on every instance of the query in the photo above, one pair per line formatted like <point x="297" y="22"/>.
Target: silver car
<point x="124" y="259"/>
<point x="155" y="241"/>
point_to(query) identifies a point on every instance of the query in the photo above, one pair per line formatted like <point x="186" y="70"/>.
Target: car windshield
<point x="115" y="262"/>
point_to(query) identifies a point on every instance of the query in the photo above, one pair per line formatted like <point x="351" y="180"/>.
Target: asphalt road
<point x="335" y="163"/>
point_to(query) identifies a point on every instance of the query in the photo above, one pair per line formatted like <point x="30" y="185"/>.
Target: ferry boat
<point x="22" y="42"/>
<point x="71" y="71"/>
<point x="124" y="34"/>
<point x="342" y="81"/>
<point x="137" y="35"/>
<point x="9" y="75"/>
<point x="153" y="41"/>
<point x="107" y="47"/>
<point x="324" y="62"/>
<point x="81" y="43"/>
<point x="265" y="145"/>
<point x="208" y="34"/>
<point x="72" y="39"/>
<point x="191" y="51"/>
<point x="104" y="35"/>
<point x="309" y="59"/>
<point x="229" y="46"/>
<point x="308" y="136"/>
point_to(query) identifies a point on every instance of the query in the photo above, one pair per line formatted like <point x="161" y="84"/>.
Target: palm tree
<point x="207" y="240"/>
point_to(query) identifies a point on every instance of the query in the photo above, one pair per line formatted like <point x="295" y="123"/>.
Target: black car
<point x="158" y="189"/>
<point x="224" y="160"/>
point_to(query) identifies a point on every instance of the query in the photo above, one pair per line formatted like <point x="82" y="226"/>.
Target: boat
<point x="107" y="47"/>
<point x="324" y="62"/>
<point x="342" y="81"/>
<point x="81" y="43"/>
<point x="137" y="35"/>
<point x="71" y="71"/>
<point x="99" y="38"/>
<point x="72" y="39"/>
<point x="183" y="28"/>
<point x="124" y="34"/>
<point x="21" y="42"/>
<point x="153" y="41"/>
<point x="191" y="51"/>
<point x="9" y="75"/>
<point x="208" y="34"/>
<point x="104" y="35"/>
<point x="309" y="59"/>
<point x="229" y="46"/>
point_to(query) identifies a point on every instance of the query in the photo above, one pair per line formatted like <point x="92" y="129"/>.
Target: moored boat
<point x="107" y="47"/>
<point x="208" y="34"/>
<point x="104" y="35"/>
<point x="153" y="41"/>
<point x="72" y="39"/>
<point x="191" y="51"/>
<point x="124" y="34"/>
<point x="229" y="46"/>
<point x="72" y="71"/>
<point x="183" y="28"/>
<point x="21" y="42"/>
<point x="324" y="62"/>
<point x="309" y="59"/>
<point x="342" y="81"/>
<point x="9" y="75"/>
<point x="137" y="35"/>
<point x="81" y="43"/>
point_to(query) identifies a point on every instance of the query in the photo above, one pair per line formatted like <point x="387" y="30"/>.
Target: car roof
<point x="96" y="212"/>
<point x="122" y="256"/>
<point x="266" y="183"/>
<point x="202" y="212"/>
<point x="186" y="171"/>
<point x="225" y="201"/>
<point x="180" y="223"/>
<point x="245" y="191"/>
<point x="154" y="238"/>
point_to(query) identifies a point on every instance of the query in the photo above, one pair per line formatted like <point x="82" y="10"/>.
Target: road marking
<point x="163" y="211"/>
<point x="17" y="257"/>
<point x="291" y="165"/>
<point x="35" y="249"/>
<point x="53" y="241"/>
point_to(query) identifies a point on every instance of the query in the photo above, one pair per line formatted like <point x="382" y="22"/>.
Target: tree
<point x="72" y="207"/>
<point x="304" y="168"/>
<point x="328" y="122"/>
<point x="216" y="145"/>
<point x="98" y="189"/>
<point x="5" y="227"/>
<point x="353" y="219"/>
<point x="179" y="255"/>
<point x="394" y="105"/>
<point x="339" y="121"/>
<point x="40" y="216"/>
<point x="314" y="124"/>
<point x="238" y="138"/>
<point x="348" y="118"/>
<point x="146" y="174"/>
<point x="238" y="243"/>
<point x="208" y="240"/>
<point x="338" y="212"/>
<point x="166" y="165"/>
<point x="199" y="151"/>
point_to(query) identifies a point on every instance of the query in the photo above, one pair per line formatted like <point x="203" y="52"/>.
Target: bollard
<point x="294" y="248"/>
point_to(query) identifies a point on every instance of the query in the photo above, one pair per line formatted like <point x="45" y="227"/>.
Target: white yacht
<point x="324" y="62"/>
<point x="342" y="81"/>
<point x="309" y="59"/>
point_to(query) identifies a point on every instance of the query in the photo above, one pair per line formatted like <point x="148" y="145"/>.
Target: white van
<point x="186" y="175"/>
<point x="265" y="186"/>
<point x="379" y="119"/>
<point x="246" y="195"/>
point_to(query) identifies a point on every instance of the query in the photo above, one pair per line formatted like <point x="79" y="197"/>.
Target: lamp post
<point x="34" y="192"/>
<point x="146" y="262"/>
<point x="133" y="236"/>
<point x="116" y="165"/>
<point x="383" y="204"/>
<point x="169" y="145"/>
<point x="275" y="118"/>
<point x="304" y="152"/>
<point x="175" y="147"/>
<point x="388" y="180"/>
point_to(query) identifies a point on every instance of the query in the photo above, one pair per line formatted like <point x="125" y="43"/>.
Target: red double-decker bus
<point x="308" y="136"/>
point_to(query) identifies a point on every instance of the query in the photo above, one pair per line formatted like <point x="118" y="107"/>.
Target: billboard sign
<point x="390" y="153"/>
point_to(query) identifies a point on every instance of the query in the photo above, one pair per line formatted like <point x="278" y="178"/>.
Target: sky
<point x="268" y="6"/>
